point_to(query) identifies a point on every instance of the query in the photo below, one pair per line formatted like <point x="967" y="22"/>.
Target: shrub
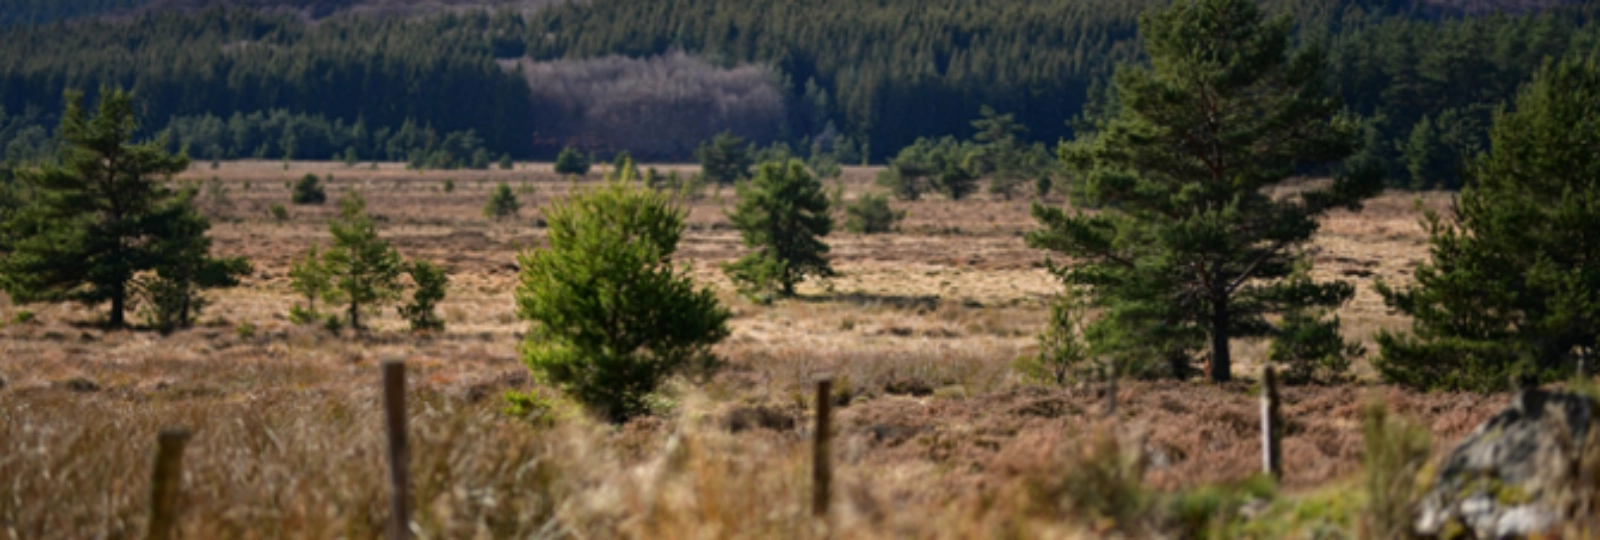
<point x="825" y="166"/>
<point x="308" y="191"/>
<point x="505" y="162"/>
<point x="612" y="316"/>
<point x="572" y="162"/>
<point x="431" y="281"/>
<point x="481" y="159"/>
<point x="871" y="214"/>
<point x="279" y="213"/>
<point x="502" y="203"/>
<point x="22" y="316"/>
<point x="623" y="166"/>
<point x="449" y="185"/>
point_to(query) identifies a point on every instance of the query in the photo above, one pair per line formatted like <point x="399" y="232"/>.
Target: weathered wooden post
<point x="822" y="465"/>
<point x="165" y="481"/>
<point x="394" y="404"/>
<point x="1271" y="425"/>
<point x="1111" y="389"/>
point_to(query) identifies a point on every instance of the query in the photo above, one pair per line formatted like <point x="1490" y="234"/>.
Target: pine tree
<point x="612" y="316"/>
<point x="308" y="277"/>
<point x="502" y="203"/>
<point x="1000" y="152"/>
<point x="1189" y="243"/>
<point x="572" y="162"/>
<point x="782" y="213"/>
<point x="308" y="190"/>
<point x="431" y="281"/>
<point x="97" y="220"/>
<point x="364" y="269"/>
<point x="172" y="295"/>
<point x="1512" y="285"/>
<point x="871" y="214"/>
<point x="725" y="159"/>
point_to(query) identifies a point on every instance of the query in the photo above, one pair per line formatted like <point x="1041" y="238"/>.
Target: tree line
<point x="883" y="74"/>
<point x="439" y="72"/>
<point x="280" y="134"/>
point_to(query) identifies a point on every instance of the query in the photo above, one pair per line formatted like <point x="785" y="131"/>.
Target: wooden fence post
<point x="1271" y="425"/>
<point x="822" y="465"/>
<point x="165" y="481"/>
<point x="1111" y="389"/>
<point x="394" y="405"/>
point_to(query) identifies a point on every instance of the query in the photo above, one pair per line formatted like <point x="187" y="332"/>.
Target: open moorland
<point x="938" y="436"/>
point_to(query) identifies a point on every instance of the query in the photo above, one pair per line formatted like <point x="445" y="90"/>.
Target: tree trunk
<point x="117" y="304"/>
<point x="355" y="316"/>
<point x="1221" y="356"/>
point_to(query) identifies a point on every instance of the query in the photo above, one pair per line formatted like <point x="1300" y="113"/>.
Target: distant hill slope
<point x="15" y="12"/>
<point x="324" y="8"/>
<point x="25" y="12"/>
<point x="28" y="12"/>
<point x="313" y="78"/>
<point x="1476" y="7"/>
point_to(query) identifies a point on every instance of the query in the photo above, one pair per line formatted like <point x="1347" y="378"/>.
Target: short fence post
<point x="165" y="481"/>
<point x="822" y="465"/>
<point x="1111" y="389"/>
<point x="1271" y="425"/>
<point x="394" y="405"/>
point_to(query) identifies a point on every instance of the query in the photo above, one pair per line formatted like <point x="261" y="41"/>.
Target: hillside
<point x="870" y="77"/>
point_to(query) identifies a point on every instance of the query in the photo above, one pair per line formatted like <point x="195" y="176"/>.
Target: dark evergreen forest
<point x="235" y="82"/>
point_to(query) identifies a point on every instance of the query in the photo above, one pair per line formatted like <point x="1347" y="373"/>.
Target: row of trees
<point x="437" y="71"/>
<point x="280" y="134"/>
<point x="884" y="74"/>
<point x="953" y="167"/>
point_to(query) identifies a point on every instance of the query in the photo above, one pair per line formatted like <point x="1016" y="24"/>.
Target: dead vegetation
<point x="937" y="436"/>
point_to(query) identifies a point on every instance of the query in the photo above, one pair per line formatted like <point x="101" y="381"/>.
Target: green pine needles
<point x="105" y="216"/>
<point x="725" y="159"/>
<point x="430" y="281"/>
<point x="613" y="317"/>
<point x="502" y="203"/>
<point x="361" y="272"/>
<point x="571" y="162"/>
<point x="782" y="213"/>
<point x="1189" y="244"/>
<point x="1513" y="287"/>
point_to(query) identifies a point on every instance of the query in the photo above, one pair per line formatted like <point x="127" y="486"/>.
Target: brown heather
<point x="937" y="436"/>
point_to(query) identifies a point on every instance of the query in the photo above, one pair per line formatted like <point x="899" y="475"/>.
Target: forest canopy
<point x="525" y="77"/>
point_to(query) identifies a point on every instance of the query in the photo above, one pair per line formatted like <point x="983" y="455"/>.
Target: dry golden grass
<point x="938" y="437"/>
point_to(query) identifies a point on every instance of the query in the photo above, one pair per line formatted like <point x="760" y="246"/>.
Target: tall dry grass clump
<point x="281" y="465"/>
<point x="1396" y="449"/>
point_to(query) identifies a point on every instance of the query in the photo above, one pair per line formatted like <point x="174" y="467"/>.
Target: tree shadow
<point x="868" y="300"/>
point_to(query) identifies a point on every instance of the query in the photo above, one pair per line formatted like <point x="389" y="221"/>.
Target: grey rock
<point x="1505" y="480"/>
